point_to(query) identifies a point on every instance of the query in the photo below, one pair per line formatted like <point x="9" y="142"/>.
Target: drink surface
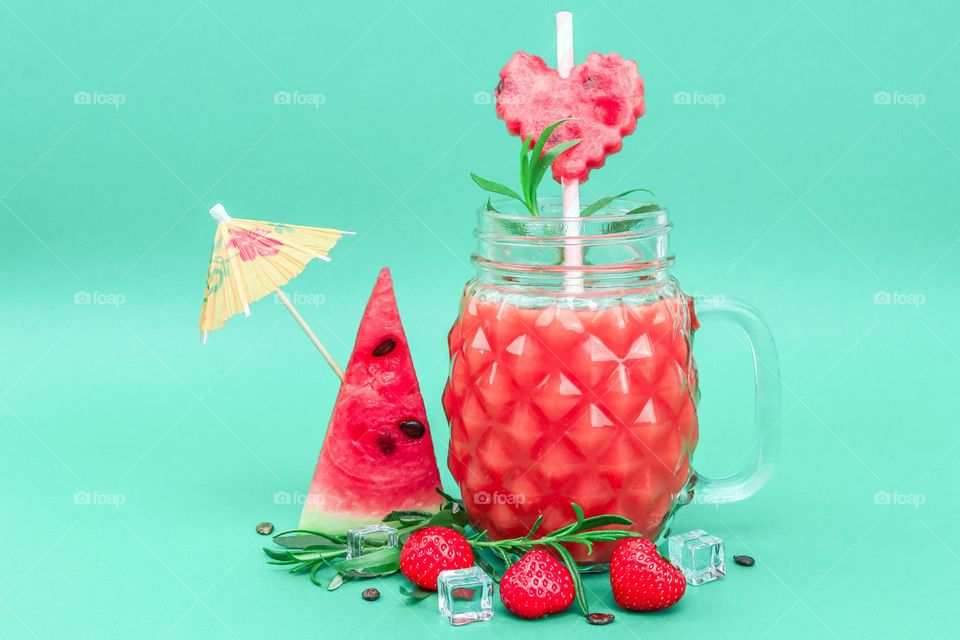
<point x="551" y="403"/>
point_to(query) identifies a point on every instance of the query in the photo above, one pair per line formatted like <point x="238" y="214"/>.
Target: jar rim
<point x="608" y="213"/>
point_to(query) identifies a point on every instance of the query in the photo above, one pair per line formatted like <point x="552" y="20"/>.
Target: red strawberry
<point x="536" y="586"/>
<point x="642" y="579"/>
<point x="431" y="550"/>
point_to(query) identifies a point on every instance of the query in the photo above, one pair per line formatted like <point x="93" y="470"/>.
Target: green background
<point x="805" y="192"/>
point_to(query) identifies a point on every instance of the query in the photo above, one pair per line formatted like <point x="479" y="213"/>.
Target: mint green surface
<point x="801" y="192"/>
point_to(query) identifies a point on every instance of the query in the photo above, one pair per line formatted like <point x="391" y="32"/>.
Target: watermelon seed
<point x="370" y="594"/>
<point x="385" y="347"/>
<point x="387" y="444"/>
<point x="413" y="429"/>
<point x="265" y="528"/>
<point x="600" y="618"/>
<point x="745" y="561"/>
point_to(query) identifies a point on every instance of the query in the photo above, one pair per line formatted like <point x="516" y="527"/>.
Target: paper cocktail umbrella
<point x="252" y="259"/>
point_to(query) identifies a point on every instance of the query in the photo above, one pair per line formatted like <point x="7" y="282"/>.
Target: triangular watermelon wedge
<point x="377" y="455"/>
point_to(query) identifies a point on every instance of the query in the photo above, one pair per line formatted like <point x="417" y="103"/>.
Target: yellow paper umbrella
<point x="252" y="259"/>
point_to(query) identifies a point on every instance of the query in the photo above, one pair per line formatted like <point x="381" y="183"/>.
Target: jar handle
<point x="767" y="405"/>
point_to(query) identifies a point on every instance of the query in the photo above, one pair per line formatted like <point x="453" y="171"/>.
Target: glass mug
<point x="575" y="382"/>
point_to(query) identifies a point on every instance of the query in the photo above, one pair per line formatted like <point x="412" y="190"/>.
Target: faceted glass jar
<point x="572" y="377"/>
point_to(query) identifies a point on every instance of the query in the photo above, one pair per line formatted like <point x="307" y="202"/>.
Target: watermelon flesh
<point x="604" y="95"/>
<point x="377" y="455"/>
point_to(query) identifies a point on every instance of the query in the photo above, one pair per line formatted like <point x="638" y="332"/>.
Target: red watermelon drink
<point x="572" y="378"/>
<point x="557" y="397"/>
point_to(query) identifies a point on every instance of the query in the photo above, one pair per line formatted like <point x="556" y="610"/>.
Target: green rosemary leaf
<point x="380" y="562"/>
<point x="279" y="555"/>
<point x="647" y="208"/>
<point x="332" y="537"/>
<point x="496" y="187"/>
<point x="507" y="558"/>
<point x="455" y="505"/>
<point x="447" y="518"/>
<point x="575" y="575"/>
<point x="282" y="562"/>
<point x="301" y="567"/>
<point x="313" y="573"/>
<point x="407" y="517"/>
<point x="535" y="527"/>
<point x="336" y="582"/>
<point x="548" y="159"/>
<point x="416" y="594"/>
<point x="525" y="161"/>
<point x="306" y="542"/>
<point x="542" y="141"/>
<point x="578" y="511"/>
<point x="602" y="202"/>
<point x="602" y="521"/>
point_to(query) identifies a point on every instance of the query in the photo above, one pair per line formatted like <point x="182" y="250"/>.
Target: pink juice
<point x="553" y="404"/>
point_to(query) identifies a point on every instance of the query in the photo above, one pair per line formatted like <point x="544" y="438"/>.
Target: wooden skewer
<point x="310" y="334"/>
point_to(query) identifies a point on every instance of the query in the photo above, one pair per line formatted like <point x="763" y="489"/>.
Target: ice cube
<point x="370" y="538"/>
<point x="698" y="555"/>
<point x="465" y="595"/>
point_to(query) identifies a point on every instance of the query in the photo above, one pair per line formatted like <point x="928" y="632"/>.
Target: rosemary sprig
<point x="309" y="552"/>
<point x="583" y="531"/>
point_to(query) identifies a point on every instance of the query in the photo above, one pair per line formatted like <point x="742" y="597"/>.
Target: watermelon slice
<point x="377" y="455"/>
<point x="604" y="96"/>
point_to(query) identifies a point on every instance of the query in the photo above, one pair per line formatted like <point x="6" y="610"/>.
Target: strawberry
<point x="537" y="585"/>
<point x="642" y="579"/>
<point x="431" y="550"/>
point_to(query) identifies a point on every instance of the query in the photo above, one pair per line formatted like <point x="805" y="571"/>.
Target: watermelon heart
<point x="604" y="94"/>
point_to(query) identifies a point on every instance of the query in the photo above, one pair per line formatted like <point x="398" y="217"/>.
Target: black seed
<point x="265" y="528"/>
<point x="370" y="594"/>
<point x="385" y="347"/>
<point x="600" y="618"/>
<point x="413" y="429"/>
<point x="499" y="88"/>
<point x="387" y="444"/>
<point x="745" y="561"/>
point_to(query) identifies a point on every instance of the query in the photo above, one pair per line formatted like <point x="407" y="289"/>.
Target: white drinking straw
<point x="573" y="250"/>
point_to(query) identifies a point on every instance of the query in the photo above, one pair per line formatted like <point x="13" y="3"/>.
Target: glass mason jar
<point x="572" y="377"/>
